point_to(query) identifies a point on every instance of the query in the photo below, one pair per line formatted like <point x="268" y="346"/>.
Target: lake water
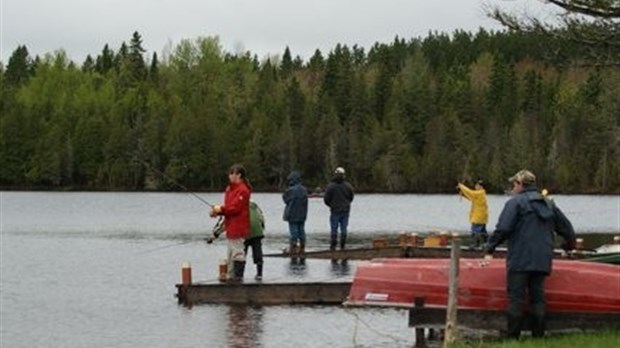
<point x="98" y="269"/>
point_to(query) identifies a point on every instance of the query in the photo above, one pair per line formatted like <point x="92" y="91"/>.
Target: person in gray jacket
<point x="528" y="222"/>
<point x="295" y="212"/>
<point x="338" y="196"/>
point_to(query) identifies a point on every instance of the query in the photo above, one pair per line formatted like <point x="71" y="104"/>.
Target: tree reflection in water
<point x="245" y="326"/>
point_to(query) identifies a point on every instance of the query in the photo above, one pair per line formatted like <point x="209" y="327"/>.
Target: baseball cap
<point x="523" y="176"/>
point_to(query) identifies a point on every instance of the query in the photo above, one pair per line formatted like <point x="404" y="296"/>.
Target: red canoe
<point x="573" y="286"/>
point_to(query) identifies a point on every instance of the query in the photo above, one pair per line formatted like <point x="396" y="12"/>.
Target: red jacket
<point x="236" y="211"/>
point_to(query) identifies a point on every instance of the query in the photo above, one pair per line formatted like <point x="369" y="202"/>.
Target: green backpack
<point x="257" y="224"/>
<point x="257" y="221"/>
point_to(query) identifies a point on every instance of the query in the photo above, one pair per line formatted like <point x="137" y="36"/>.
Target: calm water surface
<point x="98" y="269"/>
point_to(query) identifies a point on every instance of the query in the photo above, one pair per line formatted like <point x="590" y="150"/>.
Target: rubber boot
<point x="343" y="242"/>
<point x="484" y="237"/>
<point x="333" y="243"/>
<point x="473" y="241"/>
<point x="482" y="240"/>
<point x="292" y="251"/>
<point x="538" y="320"/>
<point x="538" y="326"/>
<point x="514" y="326"/>
<point x="259" y="271"/>
<point x="302" y="249"/>
<point x="238" y="270"/>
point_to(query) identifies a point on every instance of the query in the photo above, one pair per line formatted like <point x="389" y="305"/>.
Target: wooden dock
<point x="257" y="293"/>
<point x="407" y="251"/>
<point x="388" y="252"/>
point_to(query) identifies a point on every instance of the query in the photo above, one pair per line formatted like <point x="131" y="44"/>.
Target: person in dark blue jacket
<point x="528" y="222"/>
<point x="295" y="212"/>
<point x="338" y="196"/>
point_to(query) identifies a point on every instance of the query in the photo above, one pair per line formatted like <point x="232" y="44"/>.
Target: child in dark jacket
<point x="295" y="212"/>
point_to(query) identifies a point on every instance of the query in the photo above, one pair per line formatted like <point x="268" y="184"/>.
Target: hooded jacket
<point x="339" y="195"/>
<point x="236" y="210"/>
<point x="527" y="222"/>
<point x="296" y="199"/>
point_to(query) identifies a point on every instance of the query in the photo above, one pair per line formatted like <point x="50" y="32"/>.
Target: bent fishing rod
<point x="217" y="230"/>
<point x="148" y="165"/>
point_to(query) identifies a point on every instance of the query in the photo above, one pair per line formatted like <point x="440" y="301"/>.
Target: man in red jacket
<point x="236" y="212"/>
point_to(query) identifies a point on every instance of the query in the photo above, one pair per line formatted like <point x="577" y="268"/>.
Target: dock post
<point x="579" y="244"/>
<point x="186" y="273"/>
<point x="443" y="238"/>
<point x="402" y="239"/>
<point x="420" y="341"/>
<point x="223" y="270"/>
<point x="451" y="331"/>
<point x="617" y="240"/>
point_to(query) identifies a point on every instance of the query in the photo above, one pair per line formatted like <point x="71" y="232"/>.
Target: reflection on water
<point x="245" y="326"/>
<point x="340" y="268"/>
<point x="297" y="267"/>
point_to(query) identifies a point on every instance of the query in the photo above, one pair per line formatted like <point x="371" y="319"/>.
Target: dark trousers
<point x="336" y="220"/>
<point x="518" y="285"/>
<point x="257" y="249"/>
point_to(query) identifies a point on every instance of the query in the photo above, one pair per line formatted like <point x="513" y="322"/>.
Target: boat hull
<point x="573" y="286"/>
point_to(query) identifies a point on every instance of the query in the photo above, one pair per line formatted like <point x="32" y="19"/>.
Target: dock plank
<point x="319" y="293"/>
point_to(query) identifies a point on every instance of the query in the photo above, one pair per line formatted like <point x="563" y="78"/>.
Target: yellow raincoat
<point x="479" y="213"/>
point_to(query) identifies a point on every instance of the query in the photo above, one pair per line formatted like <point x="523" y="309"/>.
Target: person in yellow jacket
<point x="479" y="213"/>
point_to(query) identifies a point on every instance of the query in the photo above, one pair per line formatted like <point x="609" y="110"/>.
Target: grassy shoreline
<point x="603" y="339"/>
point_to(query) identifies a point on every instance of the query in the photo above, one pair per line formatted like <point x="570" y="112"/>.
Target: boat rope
<point x="397" y="340"/>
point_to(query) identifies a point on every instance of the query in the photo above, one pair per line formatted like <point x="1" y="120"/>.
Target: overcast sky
<point x="263" y="27"/>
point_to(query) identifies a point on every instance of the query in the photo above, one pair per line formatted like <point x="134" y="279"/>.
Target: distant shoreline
<point x="199" y="190"/>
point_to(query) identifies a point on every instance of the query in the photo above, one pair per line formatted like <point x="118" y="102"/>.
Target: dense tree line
<point x="407" y="116"/>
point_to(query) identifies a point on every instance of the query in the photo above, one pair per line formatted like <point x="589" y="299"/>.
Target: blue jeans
<point x="297" y="231"/>
<point x="342" y="220"/>
<point x="478" y="228"/>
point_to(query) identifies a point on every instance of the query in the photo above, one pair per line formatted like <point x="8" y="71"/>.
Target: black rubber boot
<point x="343" y="242"/>
<point x="332" y="245"/>
<point x="514" y="326"/>
<point x="259" y="271"/>
<point x="484" y="237"/>
<point x="238" y="270"/>
<point x="538" y="326"/>
<point x="538" y="321"/>
<point x="473" y="241"/>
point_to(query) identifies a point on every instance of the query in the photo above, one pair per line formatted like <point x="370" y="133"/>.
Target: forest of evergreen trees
<point x="412" y="115"/>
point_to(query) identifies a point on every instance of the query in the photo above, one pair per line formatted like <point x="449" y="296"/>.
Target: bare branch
<point x="599" y="9"/>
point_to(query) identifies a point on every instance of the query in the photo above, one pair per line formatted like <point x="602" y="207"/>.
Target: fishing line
<point x="209" y="239"/>
<point x="148" y="165"/>
<point x="164" y="247"/>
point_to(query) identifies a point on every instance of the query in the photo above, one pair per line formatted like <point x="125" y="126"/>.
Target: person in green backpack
<point x="257" y="228"/>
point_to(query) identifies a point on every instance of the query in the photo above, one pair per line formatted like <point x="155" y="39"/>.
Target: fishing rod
<point x="172" y="180"/>
<point x="217" y="230"/>
<point x="165" y="247"/>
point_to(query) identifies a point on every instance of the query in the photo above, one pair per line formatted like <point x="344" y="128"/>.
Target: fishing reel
<point x="216" y="231"/>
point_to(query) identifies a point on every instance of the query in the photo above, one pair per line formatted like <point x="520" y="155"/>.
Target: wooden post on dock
<point x="420" y="341"/>
<point x="451" y="318"/>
